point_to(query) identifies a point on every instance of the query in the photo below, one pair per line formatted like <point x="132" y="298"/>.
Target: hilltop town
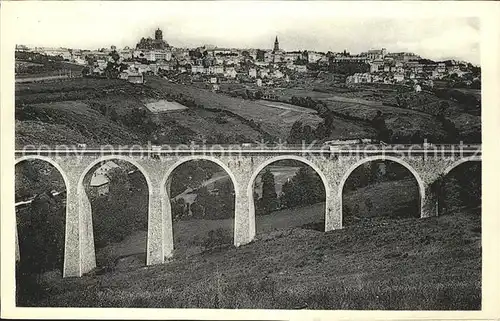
<point x="267" y="68"/>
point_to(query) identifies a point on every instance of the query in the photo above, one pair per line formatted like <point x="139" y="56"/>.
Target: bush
<point x="217" y="238"/>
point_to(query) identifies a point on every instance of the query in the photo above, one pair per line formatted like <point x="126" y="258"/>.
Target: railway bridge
<point x="333" y="165"/>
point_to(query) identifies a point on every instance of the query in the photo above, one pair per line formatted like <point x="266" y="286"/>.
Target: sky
<point x="319" y="26"/>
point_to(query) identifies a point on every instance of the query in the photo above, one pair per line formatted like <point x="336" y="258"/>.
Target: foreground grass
<point x="408" y="264"/>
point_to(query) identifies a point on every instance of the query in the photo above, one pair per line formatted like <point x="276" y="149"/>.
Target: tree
<point x="306" y="187"/>
<point x="86" y="71"/>
<point x="369" y="205"/>
<point x="321" y="131"/>
<point x="269" y="198"/>
<point x="113" y="115"/>
<point x="41" y="231"/>
<point x="378" y="123"/>
<point x="295" y="132"/>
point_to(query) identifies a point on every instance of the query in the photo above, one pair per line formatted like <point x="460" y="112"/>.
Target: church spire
<point x="276" y="44"/>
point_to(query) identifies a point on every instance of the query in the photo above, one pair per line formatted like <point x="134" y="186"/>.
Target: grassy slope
<point x="71" y="122"/>
<point x="206" y="123"/>
<point x="408" y="264"/>
<point x="387" y="198"/>
<point x="77" y="123"/>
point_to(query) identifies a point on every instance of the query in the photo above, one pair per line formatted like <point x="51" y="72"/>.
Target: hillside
<point x="410" y="264"/>
<point x="111" y="111"/>
<point x="272" y="120"/>
<point x="106" y="111"/>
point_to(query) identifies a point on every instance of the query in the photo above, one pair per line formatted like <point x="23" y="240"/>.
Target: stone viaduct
<point x="334" y="167"/>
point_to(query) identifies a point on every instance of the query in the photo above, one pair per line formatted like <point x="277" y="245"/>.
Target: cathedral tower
<point x="158" y="34"/>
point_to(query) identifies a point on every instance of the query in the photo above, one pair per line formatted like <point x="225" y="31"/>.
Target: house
<point x="264" y="73"/>
<point x="123" y="75"/>
<point x="300" y="68"/>
<point x="197" y="69"/>
<point x="259" y="82"/>
<point x="252" y="73"/>
<point x="376" y="65"/>
<point x="100" y="179"/>
<point x="359" y="78"/>
<point x="277" y="74"/>
<point x="230" y="72"/>
<point x="313" y="57"/>
<point x="292" y="56"/>
<point x="132" y="76"/>
<point x="215" y="70"/>
<point x="399" y="77"/>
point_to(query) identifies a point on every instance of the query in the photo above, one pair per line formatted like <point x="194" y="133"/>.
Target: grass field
<point x="408" y="264"/>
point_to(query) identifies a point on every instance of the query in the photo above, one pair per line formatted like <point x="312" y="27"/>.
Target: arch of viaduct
<point x="79" y="253"/>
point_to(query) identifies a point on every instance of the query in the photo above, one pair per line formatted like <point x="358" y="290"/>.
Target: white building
<point x="399" y="77"/>
<point x="313" y="57"/>
<point x="278" y="74"/>
<point x="359" y="78"/>
<point x="158" y="55"/>
<point x="300" y="68"/>
<point x="292" y="56"/>
<point x="376" y="65"/>
<point x="197" y="69"/>
<point x="100" y="179"/>
<point x="213" y="70"/>
<point x="264" y="73"/>
<point x="230" y="72"/>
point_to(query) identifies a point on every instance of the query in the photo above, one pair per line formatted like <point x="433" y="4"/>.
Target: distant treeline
<point x="372" y="173"/>
<point x="43" y="62"/>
